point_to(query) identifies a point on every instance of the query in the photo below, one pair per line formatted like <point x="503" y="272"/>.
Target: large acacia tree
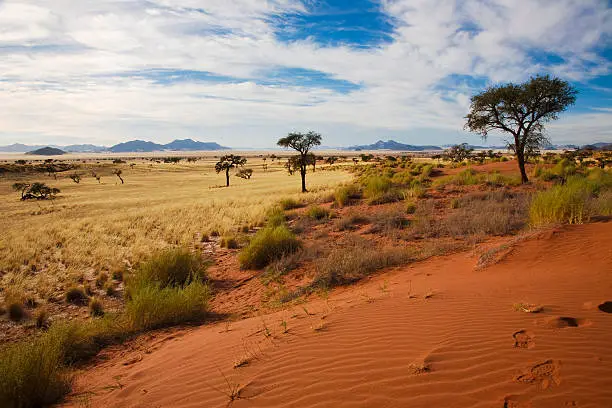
<point x="228" y="162"/>
<point x="521" y="110"/>
<point x="302" y="143"/>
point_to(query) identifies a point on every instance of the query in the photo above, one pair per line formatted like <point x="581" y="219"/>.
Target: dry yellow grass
<point x="93" y="227"/>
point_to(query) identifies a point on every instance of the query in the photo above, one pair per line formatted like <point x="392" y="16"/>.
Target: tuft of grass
<point x="345" y="195"/>
<point x="76" y="296"/>
<point x="229" y="243"/>
<point x="567" y="203"/>
<point x="290" y="204"/>
<point x="16" y="311"/>
<point x="172" y="267"/>
<point x="317" y="212"/>
<point x="153" y="306"/>
<point x="96" y="308"/>
<point x="101" y="279"/>
<point x="268" y="244"/>
<point x="347" y="265"/>
<point x="276" y="217"/>
<point x="379" y="190"/>
<point x="349" y="222"/>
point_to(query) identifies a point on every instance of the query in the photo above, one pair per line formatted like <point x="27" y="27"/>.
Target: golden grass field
<point x="91" y="227"/>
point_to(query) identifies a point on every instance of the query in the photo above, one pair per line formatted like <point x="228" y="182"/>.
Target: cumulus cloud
<point x="81" y="70"/>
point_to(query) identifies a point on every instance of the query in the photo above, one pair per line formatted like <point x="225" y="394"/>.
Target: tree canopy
<point x="302" y="143"/>
<point x="521" y="110"/>
<point x="228" y="162"/>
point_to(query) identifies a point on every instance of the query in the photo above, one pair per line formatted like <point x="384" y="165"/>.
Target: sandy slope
<point x="384" y="343"/>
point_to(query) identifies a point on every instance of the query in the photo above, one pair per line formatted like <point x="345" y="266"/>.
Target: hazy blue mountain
<point x="393" y="145"/>
<point x="136" y="146"/>
<point x="84" y="148"/>
<point x="47" y="151"/>
<point x="19" y="148"/>
<point x="189" y="144"/>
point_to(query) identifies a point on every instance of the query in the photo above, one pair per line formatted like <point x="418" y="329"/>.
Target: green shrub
<point x="318" y="213"/>
<point x="171" y="267"/>
<point x="567" y="203"/>
<point x="276" y="217"/>
<point x="153" y="306"/>
<point x="34" y="373"/>
<point x="290" y="204"/>
<point x="268" y="244"/>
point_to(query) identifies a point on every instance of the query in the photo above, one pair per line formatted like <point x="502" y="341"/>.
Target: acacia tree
<point x="521" y="110"/>
<point x="228" y="162"/>
<point x="302" y="143"/>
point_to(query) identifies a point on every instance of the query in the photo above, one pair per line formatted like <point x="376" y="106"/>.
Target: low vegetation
<point x="168" y="289"/>
<point x="269" y="244"/>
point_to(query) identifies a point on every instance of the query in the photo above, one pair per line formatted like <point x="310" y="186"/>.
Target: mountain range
<point x="392" y="145"/>
<point x="126" y="147"/>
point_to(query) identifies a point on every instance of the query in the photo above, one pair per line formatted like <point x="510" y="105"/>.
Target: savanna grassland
<point x="47" y="246"/>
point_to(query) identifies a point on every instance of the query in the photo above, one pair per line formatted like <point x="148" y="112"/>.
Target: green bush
<point x="152" y="306"/>
<point x="33" y="372"/>
<point x="567" y="203"/>
<point x="317" y="213"/>
<point x="171" y="267"/>
<point x="268" y="244"/>
<point x="276" y="216"/>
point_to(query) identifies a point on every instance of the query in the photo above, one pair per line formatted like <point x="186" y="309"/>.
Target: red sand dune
<point x="437" y="334"/>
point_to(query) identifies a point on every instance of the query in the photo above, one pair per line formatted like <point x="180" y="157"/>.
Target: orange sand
<point x="440" y="333"/>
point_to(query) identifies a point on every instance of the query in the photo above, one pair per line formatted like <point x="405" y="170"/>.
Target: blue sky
<point x="246" y="72"/>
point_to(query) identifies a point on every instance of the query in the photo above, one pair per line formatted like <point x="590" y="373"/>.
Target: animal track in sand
<point x="523" y="339"/>
<point x="605" y="307"/>
<point x="565" y="322"/>
<point x="542" y="373"/>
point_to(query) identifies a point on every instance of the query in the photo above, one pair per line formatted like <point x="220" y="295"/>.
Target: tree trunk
<point x="520" y="157"/>
<point x="227" y="178"/>
<point x="303" y="174"/>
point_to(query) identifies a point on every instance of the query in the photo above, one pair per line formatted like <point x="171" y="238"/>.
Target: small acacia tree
<point x="118" y="173"/>
<point x="521" y="110"/>
<point x="458" y="153"/>
<point x="35" y="191"/>
<point x="302" y="143"/>
<point x="245" y="174"/>
<point x="228" y="162"/>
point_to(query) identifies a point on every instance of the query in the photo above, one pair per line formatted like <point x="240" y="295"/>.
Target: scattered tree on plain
<point x="35" y="191"/>
<point x="458" y="153"/>
<point x="228" y="162"/>
<point x="331" y="160"/>
<point x="521" y="110"/>
<point x="302" y="143"/>
<point x="245" y="173"/>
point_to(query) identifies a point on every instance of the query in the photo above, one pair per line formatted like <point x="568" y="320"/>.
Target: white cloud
<point x="68" y="89"/>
